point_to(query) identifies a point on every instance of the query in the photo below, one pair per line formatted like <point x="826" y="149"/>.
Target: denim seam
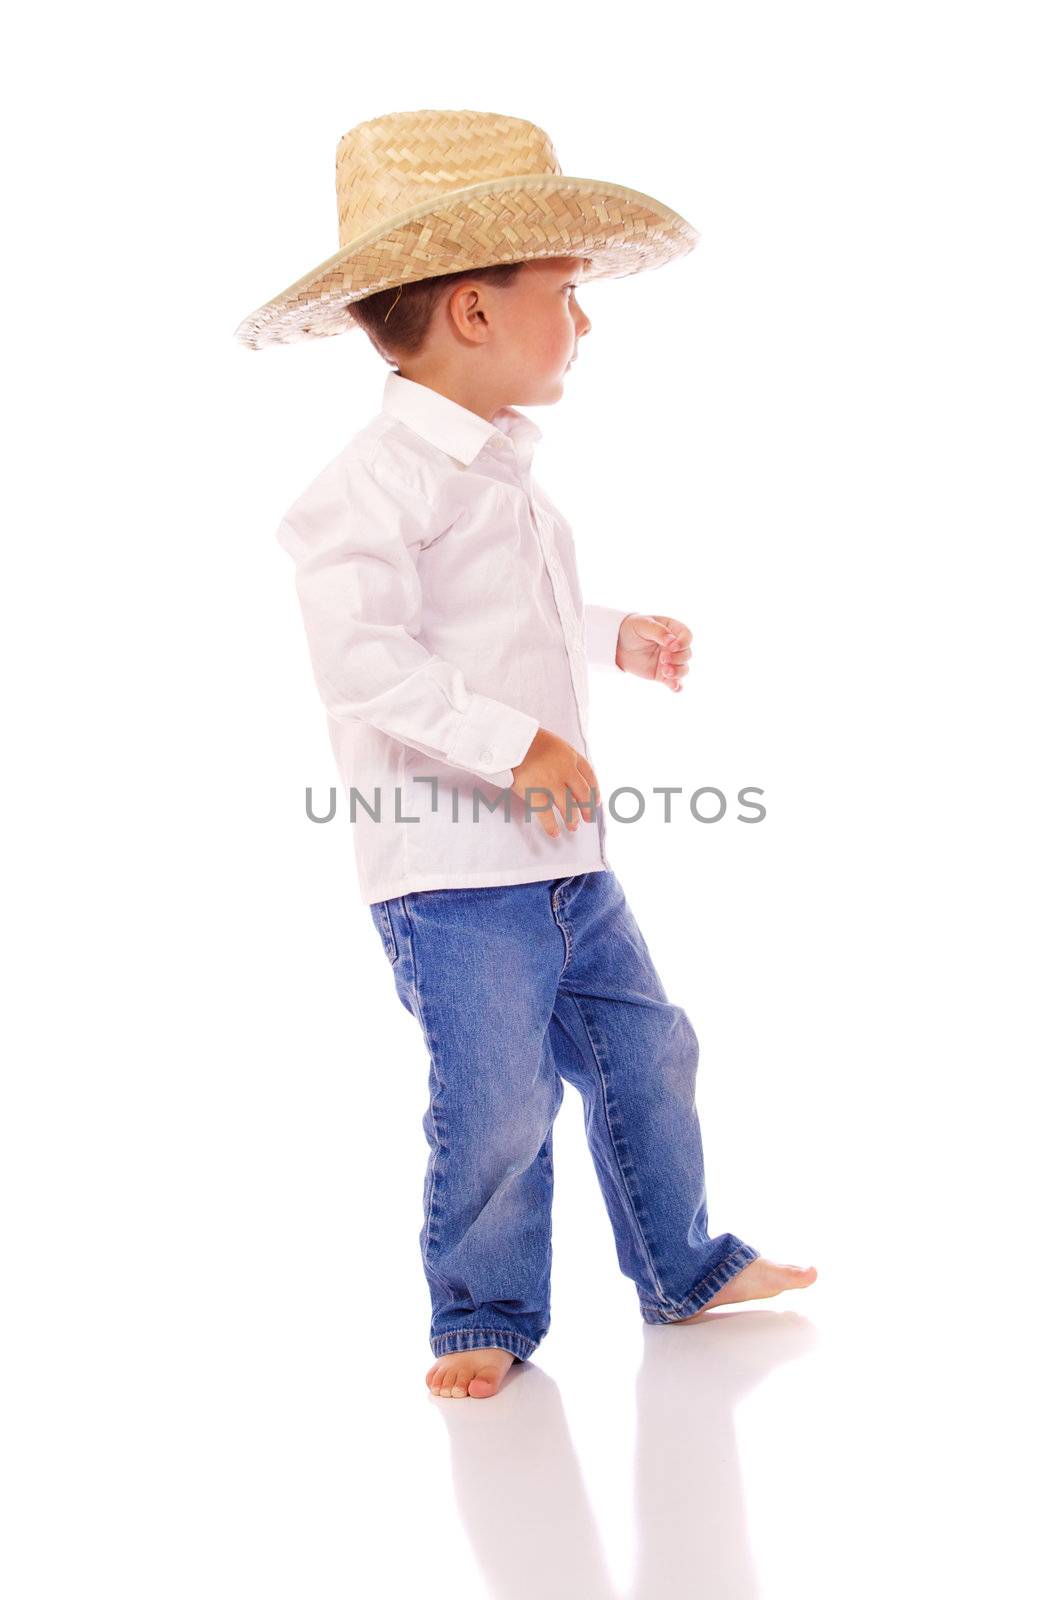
<point x="714" y="1281"/>
<point x="637" y="1224"/>
<point x="558" y="906"/>
<point x="393" y="952"/>
<point x="432" y="1056"/>
<point x="462" y="1333"/>
<point x="498" y="1337"/>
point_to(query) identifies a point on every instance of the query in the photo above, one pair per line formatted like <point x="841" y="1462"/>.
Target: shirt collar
<point x="453" y="428"/>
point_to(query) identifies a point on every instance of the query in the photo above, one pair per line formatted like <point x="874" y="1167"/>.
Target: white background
<point x="829" y="440"/>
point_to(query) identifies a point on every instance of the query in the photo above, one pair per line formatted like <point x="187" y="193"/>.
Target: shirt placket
<point x="572" y="623"/>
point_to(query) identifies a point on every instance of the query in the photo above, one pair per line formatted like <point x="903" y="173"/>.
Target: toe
<point x="457" y="1377"/>
<point x="454" y="1382"/>
<point x="484" y="1382"/>
<point x="437" y="1375"/>
<point x="793" y="1277"/>
<point x="460" y="1383"/>
<point x="440" y="1375"/>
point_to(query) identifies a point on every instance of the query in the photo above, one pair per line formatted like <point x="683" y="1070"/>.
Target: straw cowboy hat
<point x="421" y="193"/>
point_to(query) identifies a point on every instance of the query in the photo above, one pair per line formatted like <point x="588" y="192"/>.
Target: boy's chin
<point x="546" y="393"/>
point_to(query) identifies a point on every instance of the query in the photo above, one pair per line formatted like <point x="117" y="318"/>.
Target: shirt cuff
<point x="493" y="739"/>
<point x="601" y="627"/>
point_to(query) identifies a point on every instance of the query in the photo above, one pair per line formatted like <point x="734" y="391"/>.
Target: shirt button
<point x="487" y="756"/>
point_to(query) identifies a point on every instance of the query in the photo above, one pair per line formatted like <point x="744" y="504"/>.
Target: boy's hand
<point x="654" y="647"/>
<point x="553" y="765"/>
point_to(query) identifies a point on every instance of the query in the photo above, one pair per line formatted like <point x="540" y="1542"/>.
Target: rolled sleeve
<point x="601" y="627"/>
<point x="354" y="537"/>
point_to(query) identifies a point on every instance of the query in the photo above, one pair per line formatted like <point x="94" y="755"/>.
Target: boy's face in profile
<point x="536" y="323"/>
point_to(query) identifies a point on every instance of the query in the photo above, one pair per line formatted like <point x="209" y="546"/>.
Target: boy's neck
<point x="482" y="400"/>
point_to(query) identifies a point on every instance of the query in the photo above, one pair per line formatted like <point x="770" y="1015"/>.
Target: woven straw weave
<point x="428" y="192"/>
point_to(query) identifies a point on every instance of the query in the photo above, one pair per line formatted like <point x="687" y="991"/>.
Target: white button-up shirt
<point x="443" y="611"/>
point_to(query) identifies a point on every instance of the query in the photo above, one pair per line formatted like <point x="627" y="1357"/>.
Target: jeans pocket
<point x="383" y="923"/>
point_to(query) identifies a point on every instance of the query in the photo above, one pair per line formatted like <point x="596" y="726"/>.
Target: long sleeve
<point x="354" y="536"/>
<point x="601" y="627"/>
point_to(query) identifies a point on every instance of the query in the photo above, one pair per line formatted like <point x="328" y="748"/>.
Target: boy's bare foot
<point x="758" y="1280"/>
<point x="476" y="1373"/>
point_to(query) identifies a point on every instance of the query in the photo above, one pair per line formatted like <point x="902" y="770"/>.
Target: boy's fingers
<point x="548" y="823"/>
<point x="587" y="771"/>
<point x="678" y="631"/>
<point x="571" y="797"/>
<point x="566" y="797"/>
<point x="583" y="796"/>
<point x="675" y="672"/>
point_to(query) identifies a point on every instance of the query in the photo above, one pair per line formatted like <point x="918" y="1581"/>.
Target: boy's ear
<point x="464" y="305"/>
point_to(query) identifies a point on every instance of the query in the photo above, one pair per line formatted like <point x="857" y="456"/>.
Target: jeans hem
<point x="709" y="1286"/>
<point x="518" y="1344"/>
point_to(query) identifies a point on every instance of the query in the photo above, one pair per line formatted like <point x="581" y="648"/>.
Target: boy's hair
<point x="396" y="320"/>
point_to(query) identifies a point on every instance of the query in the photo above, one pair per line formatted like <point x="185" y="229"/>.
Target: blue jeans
<point x="515" y="989"/>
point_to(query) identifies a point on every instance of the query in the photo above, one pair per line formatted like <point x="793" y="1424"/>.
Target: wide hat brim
<point x="619" y="230"/>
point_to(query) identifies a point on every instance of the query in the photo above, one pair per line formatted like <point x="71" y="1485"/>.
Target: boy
<point x="450" y="644"/>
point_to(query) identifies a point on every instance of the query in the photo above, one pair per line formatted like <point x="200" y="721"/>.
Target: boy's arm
<point x="601" y="627"/>
<point x="353" y="537"/>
